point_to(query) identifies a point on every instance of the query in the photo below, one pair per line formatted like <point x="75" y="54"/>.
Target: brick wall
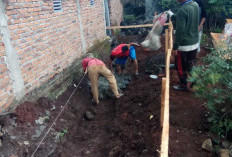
<point x="92" y="20"/>
<point x="116" y="12"/>
<point x="47" y="42"/>
<point x="6" y="95"/>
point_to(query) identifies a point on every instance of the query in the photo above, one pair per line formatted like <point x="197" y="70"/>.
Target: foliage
<point x="217" y="11"/>
<point x="213" y="82"/>
<point x="130" y="17"/>
<point x="63" y="132"/>
<point x="168" y="4"/>
<point x="216" y="30"/>
<point x="204" y="39"/>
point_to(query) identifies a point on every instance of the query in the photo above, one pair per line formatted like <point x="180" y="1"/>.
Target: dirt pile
<point x="155" y="64"/>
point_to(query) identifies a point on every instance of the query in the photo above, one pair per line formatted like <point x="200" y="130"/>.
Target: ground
<point x="127" y="127"/>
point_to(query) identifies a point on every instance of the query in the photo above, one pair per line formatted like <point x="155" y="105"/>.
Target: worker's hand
<point x="174" y="52"/>
<point x="135" y="44"/>
<point x="170" y="13"/>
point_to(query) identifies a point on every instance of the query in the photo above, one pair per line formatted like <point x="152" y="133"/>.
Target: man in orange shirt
<point x="95" y="67"/>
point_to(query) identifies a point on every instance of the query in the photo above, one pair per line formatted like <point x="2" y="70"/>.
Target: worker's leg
<point x="191" y="61"/>
<point x="111" y="79"/>
<point x="182" y="71"/>
<point x="182" y="67"/>
<point x="120" y="64"/>
<point x="93" y="76"/>
<point x="118" y="68"/>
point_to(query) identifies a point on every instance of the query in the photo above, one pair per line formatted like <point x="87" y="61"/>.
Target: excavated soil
<point x="127" y="127"/>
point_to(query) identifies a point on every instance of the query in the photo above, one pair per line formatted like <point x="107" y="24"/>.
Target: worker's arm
<point x="201" y="24"/>
<point x="136" y="66"/>
<point x="134" y="44"/>
<point x="86" y="70"/>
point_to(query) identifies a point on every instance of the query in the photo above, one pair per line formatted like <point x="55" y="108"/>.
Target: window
<point x="57" y="4"/>
<point x="91" y="2"/>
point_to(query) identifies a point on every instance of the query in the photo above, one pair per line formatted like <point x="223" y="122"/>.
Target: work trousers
<point x="185" y="60"/>
<point x="93" y="74"/>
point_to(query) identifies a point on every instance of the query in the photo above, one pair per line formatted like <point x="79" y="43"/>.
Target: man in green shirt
<point x="186" y="41"/>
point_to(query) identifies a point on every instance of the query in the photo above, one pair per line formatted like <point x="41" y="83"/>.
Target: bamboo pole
<point x="162" y="101"/>
<point x="134" y="26"/>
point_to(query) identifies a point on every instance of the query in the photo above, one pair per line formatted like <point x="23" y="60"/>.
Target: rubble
<point x="104" y="88"/>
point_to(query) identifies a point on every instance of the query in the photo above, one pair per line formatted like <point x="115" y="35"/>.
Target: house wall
<point x="116" y="12"/>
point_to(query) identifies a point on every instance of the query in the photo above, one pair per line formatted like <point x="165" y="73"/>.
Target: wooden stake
<point x="165" y="131"/>
<point x="166" y="42"/>
<point x="170" y="39"/>
<point x="162" y="101"/>
<point x="134" y="26"/>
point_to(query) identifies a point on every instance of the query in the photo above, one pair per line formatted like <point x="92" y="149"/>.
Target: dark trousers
<point x="184" y="61"/>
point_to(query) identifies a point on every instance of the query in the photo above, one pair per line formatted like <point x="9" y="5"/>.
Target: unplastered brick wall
<point x="92" y="20"/>
<point x="6" y="95"/>
<point x="116" y="12"/>
<point x="47" y="42"/>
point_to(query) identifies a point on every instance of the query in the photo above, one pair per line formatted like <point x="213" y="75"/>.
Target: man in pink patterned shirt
<point x="95" y="67"/>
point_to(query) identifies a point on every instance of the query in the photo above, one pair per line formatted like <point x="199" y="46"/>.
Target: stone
<point x="12" y="137"/>
<point x="207" y="145"/>
<point x="26" y="143"/>
<point x="48" y="113"/>
<point x="225" y="144"/>
<point x="224" y="153"/>
<point x="38" y="132"/>
<point x="41" y="120"/>
<point x="53" y="107"/>
<point x="1" y="134"/>
<point x="89" y="115"/>
<point x="0" y="143"/>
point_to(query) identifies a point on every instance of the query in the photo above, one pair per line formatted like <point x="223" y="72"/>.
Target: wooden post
<point x="134" y="26"/>
<point x="162" y="101"/>
<point x="170" y="29"/>
<point x="164" y="119"/>
<point x="165" y="130"/>
<point x="166" y="42"/>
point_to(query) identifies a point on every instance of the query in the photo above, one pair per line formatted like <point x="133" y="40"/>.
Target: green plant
<point x="131" y="17"/>
<point x="216" y="29"/>
<point x="204" y="39"/>
<point x="117" y="32"/>
<point x="62" y="133"/>
<point x="213" y="82"/>
<point x="168" y="4"/>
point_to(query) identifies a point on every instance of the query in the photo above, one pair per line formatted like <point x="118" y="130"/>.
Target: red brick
<point x="4" y="96"/>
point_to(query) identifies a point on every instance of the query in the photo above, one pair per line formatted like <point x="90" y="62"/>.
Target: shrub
<point x="213" y="82"/>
